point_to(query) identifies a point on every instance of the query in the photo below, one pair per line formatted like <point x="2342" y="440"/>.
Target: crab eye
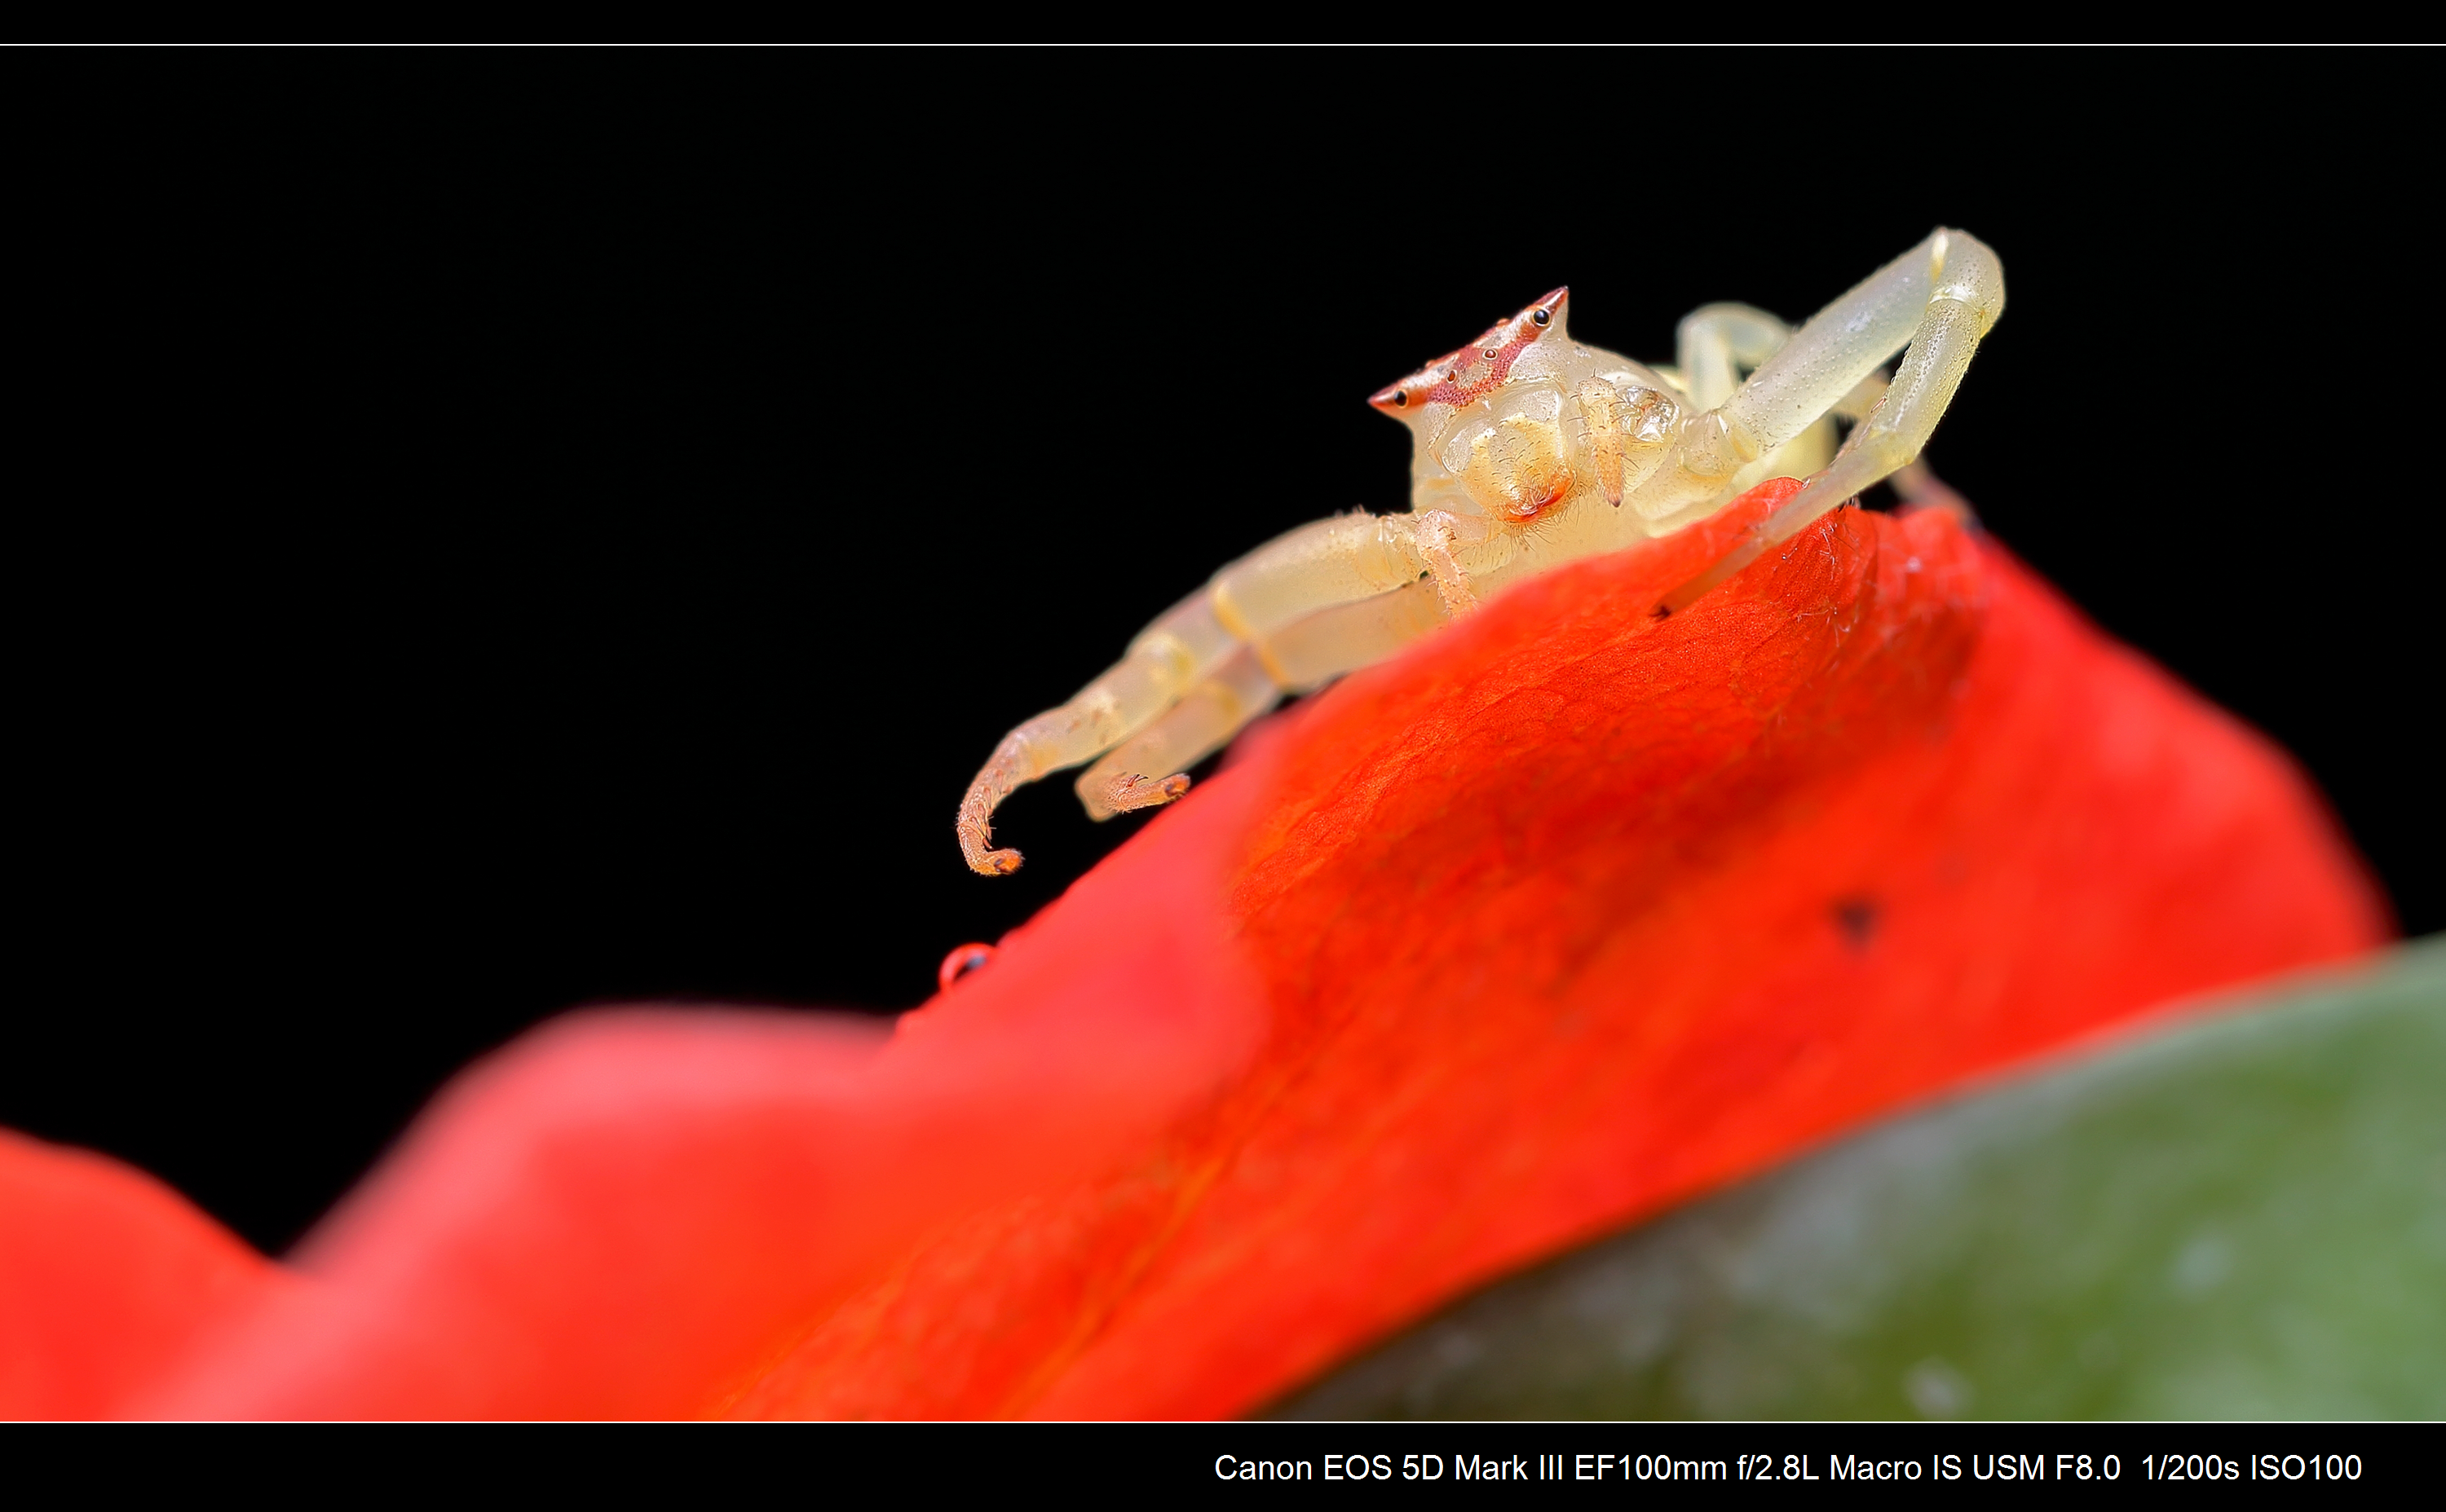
<point x="1542" y="317"/>
<point x="1402" y="399"/>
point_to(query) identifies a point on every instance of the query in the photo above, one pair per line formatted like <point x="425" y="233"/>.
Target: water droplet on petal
<point x="963" y="959"/>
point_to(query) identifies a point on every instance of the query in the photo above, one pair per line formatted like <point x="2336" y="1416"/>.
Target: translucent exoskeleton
<point x="1529" y="449"/>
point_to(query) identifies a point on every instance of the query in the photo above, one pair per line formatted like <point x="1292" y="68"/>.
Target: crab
<point x="1530" y="450"/>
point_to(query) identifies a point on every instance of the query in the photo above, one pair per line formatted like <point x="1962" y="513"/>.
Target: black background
<point x="499" y="531"/>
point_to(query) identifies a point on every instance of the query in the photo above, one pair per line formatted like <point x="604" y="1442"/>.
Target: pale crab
<point x="1530" y="450"/>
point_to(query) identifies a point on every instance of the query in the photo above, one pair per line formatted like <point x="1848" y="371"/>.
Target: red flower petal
<point x="1589" y="915"/>
<point x="107" y="1276"/>
<point x="1560" y="917"/>
<point x="633" y="1213"/>
<point x="1575" y="913"/>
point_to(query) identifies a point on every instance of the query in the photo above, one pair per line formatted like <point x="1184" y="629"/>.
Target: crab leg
<point x="1170" y="657"/>
<point x="1149" y="767"/>
<point x="1968" y="296"/>
<point x="1713" y="343"/>
<point x="1349" y="636"/>
<point x="1967" y="293"/>
<point x="1302" y="655"/>
<point x="1325" y="563"/>
<point x="1315" y="567"/>
<point x="1940" y="297"/>
<point x="1717" y="344"/>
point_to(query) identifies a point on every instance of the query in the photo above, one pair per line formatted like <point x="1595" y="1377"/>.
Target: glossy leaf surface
<point x="2239" y="1218"/>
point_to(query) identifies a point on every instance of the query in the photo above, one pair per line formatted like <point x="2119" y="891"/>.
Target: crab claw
<point x="1129" y="791"/>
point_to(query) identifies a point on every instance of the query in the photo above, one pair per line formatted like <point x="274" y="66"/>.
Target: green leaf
<point x="2244" y="1216"/>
